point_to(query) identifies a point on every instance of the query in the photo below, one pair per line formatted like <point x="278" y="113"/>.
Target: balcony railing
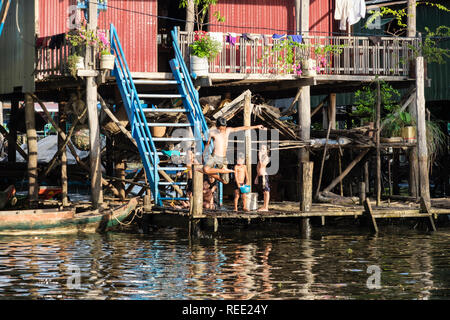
<point x="387" y="56"/>
<point x="51" y="61"/>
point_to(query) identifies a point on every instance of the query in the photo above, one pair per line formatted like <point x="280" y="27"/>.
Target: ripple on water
<point x="165" y="265"/>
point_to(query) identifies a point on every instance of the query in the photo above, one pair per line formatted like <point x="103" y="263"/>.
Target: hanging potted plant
<point x="78" y="39"/>
<point x="106" y="58"/>
<point x="203" y="49"/>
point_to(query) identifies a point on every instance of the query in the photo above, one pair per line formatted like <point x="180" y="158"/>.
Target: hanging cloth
<point x="357" y="11"/>
<point x="217" y="36"/>
<point x="251" y="36"/>
<point x="278" y="36"/>
<point x="231" y="38"/>
<point x="296" y="38"/>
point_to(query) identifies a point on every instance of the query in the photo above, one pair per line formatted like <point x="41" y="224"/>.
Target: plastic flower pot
<point x="107" y="61"/>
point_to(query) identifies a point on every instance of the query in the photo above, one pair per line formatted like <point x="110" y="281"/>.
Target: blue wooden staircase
<point x="139" y="107"/>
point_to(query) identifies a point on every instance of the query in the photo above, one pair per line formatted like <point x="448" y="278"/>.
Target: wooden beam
<point x="33" y="187"/>
<point x="377" y="132"/>
<point x="91" y="104"/>
<point x="422" y="132"/>
<point x="7" y="136"/>
<point x="12" y="125"/>
<point x="319" y="106"/>
<point x="368" y="211"/>
<point x="61" y="146"/>
<point x="332" y="110"/>
<point x="197" y="194"/>
<point x="411" y="11"/>
<point x="248" y="134"/>
<point x="323" y="160"/>
<point x="228" y="106"/>
<point x="346" y="171"/>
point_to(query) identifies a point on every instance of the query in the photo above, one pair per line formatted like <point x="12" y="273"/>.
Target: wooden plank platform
<point x="289" y="210"/>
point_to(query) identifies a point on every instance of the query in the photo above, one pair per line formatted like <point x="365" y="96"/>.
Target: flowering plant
<point x="79" y="38"/>
<point x="204" y="47"/>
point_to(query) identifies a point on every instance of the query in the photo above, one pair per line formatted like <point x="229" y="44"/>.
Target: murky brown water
<point x="332" y="264"/>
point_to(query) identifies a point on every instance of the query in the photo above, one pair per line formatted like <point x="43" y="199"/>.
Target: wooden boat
<point x="56" y="221"/>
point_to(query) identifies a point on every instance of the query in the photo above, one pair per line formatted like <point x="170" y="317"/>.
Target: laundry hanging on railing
<point x="217" y="36"/>
<point x="296" y="38"/>
<point x="251" y="36"/>
<point x="57" y="41"/>
<point x="278" y="36"/>
<point x="231" y="38"/>
<point x="350" y="11"/>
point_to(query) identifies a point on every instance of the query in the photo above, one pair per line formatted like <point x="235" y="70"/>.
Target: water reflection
<point x="166" y="265"/>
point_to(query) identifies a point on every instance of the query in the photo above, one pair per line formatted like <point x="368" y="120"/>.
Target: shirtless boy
<point x="241" y="176"/>
<point x="219" y="157"/>
<point x="208" y="194"/>
<point x="262" y="177"/>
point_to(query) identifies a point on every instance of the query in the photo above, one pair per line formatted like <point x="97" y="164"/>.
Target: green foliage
<point x="204" y="46"/>
<point x="201" y="9"/>
<point x="287" y="55"/>
<point x="430" y="49"/>
<point x="71" y="64"/>
<point x="366" y="99"/>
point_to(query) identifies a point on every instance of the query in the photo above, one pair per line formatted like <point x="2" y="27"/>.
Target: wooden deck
<point x="290" y="210"/>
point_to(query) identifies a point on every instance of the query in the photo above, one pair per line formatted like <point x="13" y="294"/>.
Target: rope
<point x="132" y="219"/>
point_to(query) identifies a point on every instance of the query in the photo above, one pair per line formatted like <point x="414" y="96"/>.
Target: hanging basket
<point x="107" y="61"/>
<point x="199" y="66"/>
<point x="80" y="137"/>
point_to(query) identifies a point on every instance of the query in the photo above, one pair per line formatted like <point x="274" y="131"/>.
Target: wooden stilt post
<point x="304" y="114"/>
<point x="12" y="125"/>
<point x="412" y="158"/>
<point x="368" y="212"/>
<point x="197" y="193"/>
<point x="91" y="103"/>
<point x="332" y="110"/>
<point x="366" y="176"/>
<point x="362" y="193"/>
<point x="248" y="134"/>
<point x="422" y="147"/>
<point x="64" y="179"/>
<point x="377" y="126"/>
<point x="120" y="173"/>
<point x="411" y="10"/>
<point x="396" y="172"/>
<point x="33" y="187"/>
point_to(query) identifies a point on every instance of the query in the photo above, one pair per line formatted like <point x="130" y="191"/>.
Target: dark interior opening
<point x="169" y="16"/>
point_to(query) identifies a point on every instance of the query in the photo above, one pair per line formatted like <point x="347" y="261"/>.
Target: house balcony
<point x="359" y="58"/>
<point x="253" y="61"/>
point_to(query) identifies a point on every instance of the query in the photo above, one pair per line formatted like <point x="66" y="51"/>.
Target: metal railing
<point x="388" y="56"/>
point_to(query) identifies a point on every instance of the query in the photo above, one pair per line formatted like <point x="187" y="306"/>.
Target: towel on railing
<point x="57" y="41"/>
<point x="251" y="36"/>
<point x="231" y="38"/>
<point x="278" y="36"/>
<point x="296" y="38"/>
<point x="217" y="36"/>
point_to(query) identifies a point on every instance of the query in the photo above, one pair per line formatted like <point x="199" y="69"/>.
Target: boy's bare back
<point x="240" y="173"/>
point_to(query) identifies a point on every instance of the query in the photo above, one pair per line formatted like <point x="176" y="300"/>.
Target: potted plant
<point x="203" y="49"/>
<point x="106" y="58"/>
<point x="78" y="38"/>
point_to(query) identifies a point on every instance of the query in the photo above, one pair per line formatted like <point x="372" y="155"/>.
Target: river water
<point x="237" y="264"/>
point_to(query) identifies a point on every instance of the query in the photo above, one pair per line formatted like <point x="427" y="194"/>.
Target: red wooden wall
<point x="271" y="16"/>
<point x="135" y="22"/>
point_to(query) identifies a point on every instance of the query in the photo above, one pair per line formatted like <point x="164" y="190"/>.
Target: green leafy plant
<point x="204" y="47"/>
<point x="429" y="48"/>
<point x="366" y="99"/>
<point x="72" y="61"/>
<point x="287" y="55"/>
<point x="201" y="10"/>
